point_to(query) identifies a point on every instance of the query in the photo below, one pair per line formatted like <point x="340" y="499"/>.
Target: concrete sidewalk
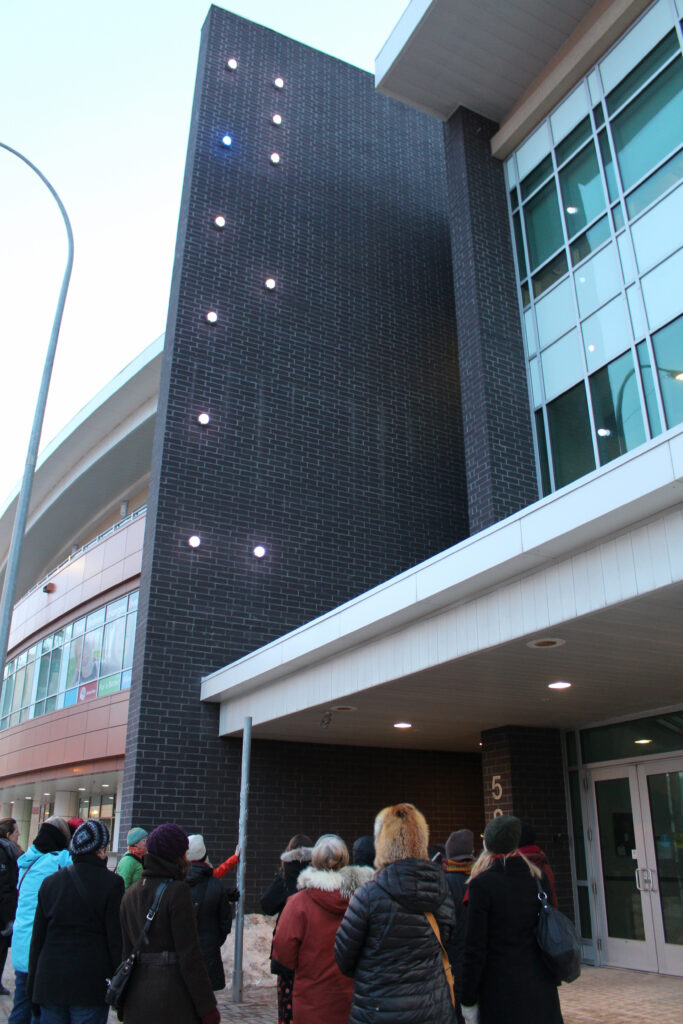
<point x="600" y="996"/>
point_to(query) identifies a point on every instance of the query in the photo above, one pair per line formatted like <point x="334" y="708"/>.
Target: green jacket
<point x="130" y="869"/>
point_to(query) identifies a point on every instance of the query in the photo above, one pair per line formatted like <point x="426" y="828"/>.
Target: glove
<point x="470" y="1013"/>
<point x="233" y="895"/>
<point x="212" y="1018"/>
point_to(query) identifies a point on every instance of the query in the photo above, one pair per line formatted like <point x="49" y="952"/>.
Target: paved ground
<point x="601" y="996"/>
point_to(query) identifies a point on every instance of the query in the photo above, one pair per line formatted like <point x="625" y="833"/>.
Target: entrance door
<point x="639" y="810"/>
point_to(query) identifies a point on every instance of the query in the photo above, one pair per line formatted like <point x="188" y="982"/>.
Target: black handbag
<point x="118" y="983"/>
<point x="558" y="941"/>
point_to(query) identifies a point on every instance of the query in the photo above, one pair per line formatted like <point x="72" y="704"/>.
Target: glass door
<point x="627" y="929"/>
<point x="639" y="818"/>
<point x="661" y="793"/>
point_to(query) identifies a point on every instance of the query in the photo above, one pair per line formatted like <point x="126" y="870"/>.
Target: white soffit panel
<point x="483" y="55"/>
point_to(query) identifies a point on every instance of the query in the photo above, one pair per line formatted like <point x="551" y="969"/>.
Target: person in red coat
<point x="304" y="940"/>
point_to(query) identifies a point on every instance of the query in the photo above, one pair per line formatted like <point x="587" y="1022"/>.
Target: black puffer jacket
<point x="214" y="919"/>
<point x="387" y="945"/>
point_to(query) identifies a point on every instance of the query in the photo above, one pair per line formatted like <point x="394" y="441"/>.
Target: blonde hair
<point x="400" y="832"/>
<point x="486" y="859"/>
<point x="330" y="853"/>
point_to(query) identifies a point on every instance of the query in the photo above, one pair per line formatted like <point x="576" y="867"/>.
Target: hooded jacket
<point x="214" y="918"/>
<point x="9" y="875"/>
<point x="33" y="867"/>
<point x="284" y="884"/>
<point x="304" y="942"/>
<point x="386" y="944"/>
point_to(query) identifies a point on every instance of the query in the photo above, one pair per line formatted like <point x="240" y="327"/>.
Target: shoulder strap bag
<point x="118" y="983"/>
<point x="558" y="941"/>
<point x="448" y="970"/>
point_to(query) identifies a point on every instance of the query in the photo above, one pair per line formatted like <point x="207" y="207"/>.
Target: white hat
<point x="196" y="850"/>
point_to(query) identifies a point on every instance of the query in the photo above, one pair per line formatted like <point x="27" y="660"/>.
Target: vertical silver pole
<point x="241" y="873"/>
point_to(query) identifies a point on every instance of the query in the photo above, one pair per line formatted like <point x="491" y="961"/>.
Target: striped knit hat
<point x="91" y="836"/>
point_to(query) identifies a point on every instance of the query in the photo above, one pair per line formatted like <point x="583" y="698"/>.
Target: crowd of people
<point x="394" y="932"/>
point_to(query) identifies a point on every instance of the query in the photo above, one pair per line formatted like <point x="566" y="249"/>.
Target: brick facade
<point x="501" y="473"/>
<point x="335" y="434"/>
<point x="527" y="765"/>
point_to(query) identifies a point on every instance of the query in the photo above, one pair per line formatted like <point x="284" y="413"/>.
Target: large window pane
<point x="112" y="651"/>
<point x="55" y="668"/>
<point x="44" y="673"/>
<point x="606" y="333"/>
<point x="543" y="225"/>
<point x="583" y="196"/>
<point x="555" y="313"/>
<point x="572" y="142"/>
<point x="643" y="71"/>
<point x="668" y="175"/>
<point x="90" y="659"/>
<point x="659" y="231"/>
<point x="570" y="436"/>
<point x="668" y="348"/>
<point x="591" y="240"/>
<point x="552" y="272"/>
<point x="616" y="408"/>
<point x="651" y="126"/>
<point x="597" y="280"/>
<point x="536" y="177"/>
<point x="562" y="364"/>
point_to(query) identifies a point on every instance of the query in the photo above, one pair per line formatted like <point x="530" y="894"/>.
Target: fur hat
<point x="136" y="835"/>
<point x="400" y="832"/>
<point x="196" y="849"/>
<point x="460" y="845"/>
<point x="501" y="835"/>
<point x="91" y="836"/>
<point x="168" y="842"/>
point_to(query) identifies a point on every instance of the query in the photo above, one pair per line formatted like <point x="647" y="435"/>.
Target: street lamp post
<point x="21" y="515"/>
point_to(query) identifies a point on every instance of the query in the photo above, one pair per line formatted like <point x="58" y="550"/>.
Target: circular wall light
<point x="277" y="118"/>
<point x="220" y="221"/>
<point x="403" y="725"/>
<point x="232" y="64"/>
<point x="204" y="419"/>
<point x="279" y="83"/>
<point x="194" y="541"/>
<point x="559" y="685"/>
<point x="270" y="283"/>
<point x="227" y="141"/>
<point x="259" y="551"/>
<point x="275" y="158"/>
<point x="543" y="642"/>
<point x="212" y="316"/>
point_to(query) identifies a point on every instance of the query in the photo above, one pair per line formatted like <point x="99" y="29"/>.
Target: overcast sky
<point x="98" y="96"/>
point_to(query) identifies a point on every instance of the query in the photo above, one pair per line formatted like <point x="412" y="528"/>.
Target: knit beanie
<point x="91" y="836"/>
<point x="364" y="852"/>
<point x="460" y="845"/>
<point x="528" y="836"/>
<point x="501" y="835"/>
<point x="196" y="849"/>
<point x="168" y="842"/>
<point x="53" y="835"/>
<point x="135" y="836"/>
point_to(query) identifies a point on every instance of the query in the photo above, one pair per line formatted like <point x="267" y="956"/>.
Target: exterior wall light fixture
<point x="559" y="685"/>
<point x="204" y="419"/>
<point x="259" y="551"/>
<point x="232" y="64"/>
<point x="277" y="118"/>
<point x="212" y="316"/>
<point x="279" y="83"/>
<point x="227" y="141"/>
<point x="194" y="541"/>
<point x="275" y="158"/>
<point x="403" y="725"/>
<point x="270" y="283"/>
<point x="220" y="221"/>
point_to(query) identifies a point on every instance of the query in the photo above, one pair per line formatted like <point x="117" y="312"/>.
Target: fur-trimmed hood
<point x="302" y="854"/>
<point x="345" y="881"/>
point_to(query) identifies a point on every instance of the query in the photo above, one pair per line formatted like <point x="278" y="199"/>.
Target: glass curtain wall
<point x="87" y="658"/>
<point x="596" y="208"/>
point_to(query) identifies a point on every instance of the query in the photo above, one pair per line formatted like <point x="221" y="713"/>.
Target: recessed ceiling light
<point x="232" y="64"/>
<point x="204" y="419"/>
<point x="270" y="283"/>
<point x="28" y="798"/>
<point x="194" y="541"/>
<point x="275" y="158"/>
<point x="277" y="118"/>
<point x="543" y="642"/>
<point x="46" y="794"/>
<point x="212" y="316"/>
<point x="278" y="83"/>
<point x="259" y="551"/>
<point x="220" y="221"/>
<point x="105" y="785"/>
<point x="559" y="685"/>
<point x="227" y="141"/>
<point x="403" y="725"/>
<point x="642" y="741"/>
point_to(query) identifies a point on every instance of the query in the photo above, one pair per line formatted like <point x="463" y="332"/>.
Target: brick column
<point x="499" y="459"/>
<point x="523" y="775"/>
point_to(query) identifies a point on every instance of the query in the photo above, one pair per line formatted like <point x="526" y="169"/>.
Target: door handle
<point x="640" y="886"/>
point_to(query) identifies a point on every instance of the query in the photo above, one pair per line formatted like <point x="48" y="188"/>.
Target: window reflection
<point x="616" y="408"/>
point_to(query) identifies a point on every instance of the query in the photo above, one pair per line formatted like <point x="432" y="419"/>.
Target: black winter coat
<point x="9" y="876"/>
<point x="284" y="884"/>
<point x="75" y="946"/>
<point x="214" y="919"/>
<point x="503" y="968"/>
<point x="170" y="984"/>
<point x="457" y="883"/>
<point x="387" y="945"/>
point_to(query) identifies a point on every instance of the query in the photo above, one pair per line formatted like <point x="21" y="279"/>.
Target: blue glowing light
<point x="227" y="140"/>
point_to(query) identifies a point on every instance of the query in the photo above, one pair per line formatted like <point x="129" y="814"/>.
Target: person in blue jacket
<point x="48" y="853"/>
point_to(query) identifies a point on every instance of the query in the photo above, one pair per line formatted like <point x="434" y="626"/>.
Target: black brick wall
<point x="335" y="434"/>
<point x="501" y="474"/>
<point x="528" y="762"/>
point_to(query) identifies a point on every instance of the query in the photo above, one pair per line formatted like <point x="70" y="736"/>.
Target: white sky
<point x="98" y="95"/>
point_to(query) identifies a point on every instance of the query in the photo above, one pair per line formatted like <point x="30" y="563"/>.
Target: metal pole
<point x="21" y="514"/>
<point x="241" y="873"/>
